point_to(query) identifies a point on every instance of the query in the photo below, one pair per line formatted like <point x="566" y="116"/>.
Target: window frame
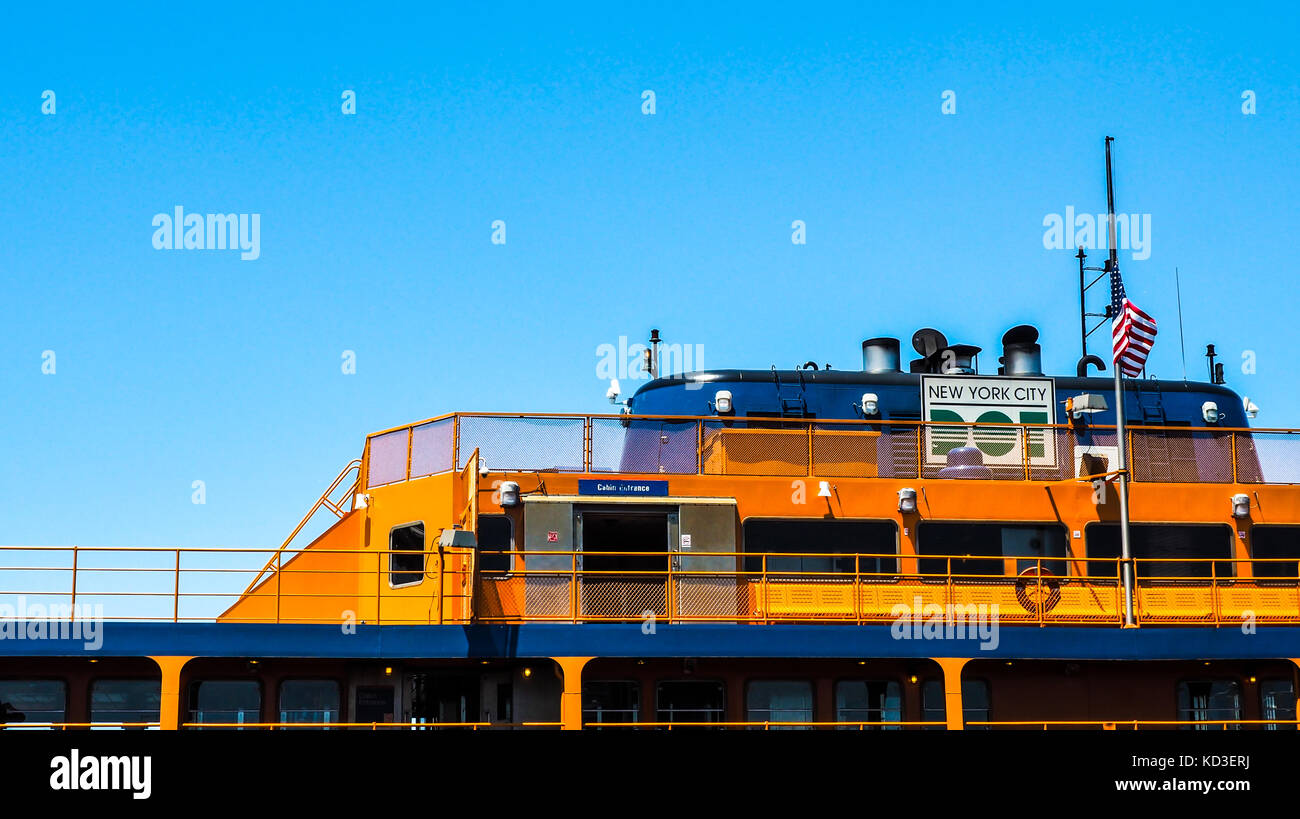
<point x="1229" y="558"/>
<point x="393" y="553"/>
<point x="902" y="699"/>
<point x="881" y="577"/>
<point x="1178" y="711"/>
<point x="192" y="698"/>
<point x="635" y="685"/>
<point x="812" y="701"/>
<point x="63" y="683"/>
<point x="90" y="696"/>
<point x="1068" y="558"/>
<point x="340" y="690"/>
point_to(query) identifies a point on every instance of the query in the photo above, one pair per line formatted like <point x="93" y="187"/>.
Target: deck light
<point x="528" y="672"/>
<point x="722" y="402"/>
<point x="509" y="493"/>
<point x="870" y="403"/>
<point x="388" y="672"/>
<point x="1210" y="412"/>
<point x="1241" y="506"/>
<point x="613" y="391"/>
<point x="1252" y="409"/>
<point x="1085" y="404"/>
<point x="823" y="489"/>
<point x="907" y="500"/>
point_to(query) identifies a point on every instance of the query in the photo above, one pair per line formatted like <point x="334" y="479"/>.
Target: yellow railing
<point x="192" y="585"/>
<point x="768" y="725"/>
<point x="713" y="445"/>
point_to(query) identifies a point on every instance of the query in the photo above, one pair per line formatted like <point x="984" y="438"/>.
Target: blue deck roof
<point x="687" y="640"/>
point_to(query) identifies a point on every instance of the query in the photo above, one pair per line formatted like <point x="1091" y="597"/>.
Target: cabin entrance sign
<point x="975" y="399"/>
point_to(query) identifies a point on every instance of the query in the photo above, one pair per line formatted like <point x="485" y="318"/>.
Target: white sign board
<point x="980" y="399"/>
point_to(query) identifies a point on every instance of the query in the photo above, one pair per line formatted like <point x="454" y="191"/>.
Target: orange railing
<point x="689" y="445"/>
<point x="193" y="585"/>
<point x="753" y="725"/>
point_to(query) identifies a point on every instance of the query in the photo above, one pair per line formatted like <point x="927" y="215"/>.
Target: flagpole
<point x="1126" y="552"/>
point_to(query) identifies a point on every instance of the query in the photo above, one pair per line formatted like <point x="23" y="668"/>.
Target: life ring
<point x="1037" y="590"/>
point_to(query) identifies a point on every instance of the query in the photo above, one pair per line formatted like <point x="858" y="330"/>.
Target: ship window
<point x="1269" y="543"/>
<point x="1161" y="544"/>
<point x="1277" y="701"/>
<point x="406" y="555"/>
<point x="32" y="701"/>
<point x="868" y="701"/>
<point x="687" y="701"/>
<point x="125" y="701"/>
<point x="1209" y="700"/>
<point x="495" y="533"/>
<point x="974" y="702"/>
<point x="309" y="701"/>
<point x="825" y="546"/>
<point x="225" y="702"/>
<point x="780" y="701"/>
<point x="611" y="701"/>
<point x="979" y="548"/>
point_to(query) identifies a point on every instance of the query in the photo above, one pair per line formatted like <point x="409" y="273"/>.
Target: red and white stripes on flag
<point x="1132" y="332"/>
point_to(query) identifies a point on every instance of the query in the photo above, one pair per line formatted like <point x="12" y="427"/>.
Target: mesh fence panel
<point x="513" y="443"/>
<point x="1181" y="456"/>
<point x="845" y="451"/>
<point x="743" y="448"/>
<point x="1268" y="457"/>
<point x="618" y="598"/>
<point x="388" y="457"/>
<point x="645" y="445"/>
<point x="432" y="445"/>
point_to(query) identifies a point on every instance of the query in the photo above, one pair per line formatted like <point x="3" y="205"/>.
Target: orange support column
<point x="571" y="698"/>
<point x="169" y="710"/>
<point x="953" y="710"/>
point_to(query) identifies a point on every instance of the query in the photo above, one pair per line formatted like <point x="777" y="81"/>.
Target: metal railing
<point x="70" y="584"/>
<point x="696" y="445"/>
<point x="1023" y="725"/>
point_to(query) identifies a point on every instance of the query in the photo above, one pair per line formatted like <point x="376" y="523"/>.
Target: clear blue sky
<point x="175" y="366"/>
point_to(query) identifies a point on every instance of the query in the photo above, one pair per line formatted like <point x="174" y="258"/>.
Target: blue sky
<point x="175" y="366"/>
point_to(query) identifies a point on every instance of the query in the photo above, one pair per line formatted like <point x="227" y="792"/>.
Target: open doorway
<point x="616" y="585"/>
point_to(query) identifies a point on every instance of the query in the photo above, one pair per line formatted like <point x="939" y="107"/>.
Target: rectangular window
<point x="495" y="533"/>
<point x="611" y="701"/>
<point x="125" y="701"/>
<point x="1209" y="700"/>
<point x="32" y="701"/>
<point x="309" y="701"/>
<point x="833" y="542"/>
<point x="228" y="703"/>
<point x="780" y="701"/>
<point x="691" y="701"/>
<point x="406" y="555"/>
<point x="1158" y="547"/>
<point x="1271" y="543"/>
<point x="1277" y="701"/>
<point x="974" y="702"/>
<point x="981" y="548"/>
<point x="868" y="701"/>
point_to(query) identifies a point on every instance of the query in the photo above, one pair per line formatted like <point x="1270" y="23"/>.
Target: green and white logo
<point x="966" y="400"/>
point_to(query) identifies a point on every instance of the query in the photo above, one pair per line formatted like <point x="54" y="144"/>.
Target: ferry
<point x="925" y="545"/>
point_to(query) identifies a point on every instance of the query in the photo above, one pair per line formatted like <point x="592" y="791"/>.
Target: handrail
<point x="1045" y="450"/>
<point x="734" y="587"/>
<point x="323" y="500"/>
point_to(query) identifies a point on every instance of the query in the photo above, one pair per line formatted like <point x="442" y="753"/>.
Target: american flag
<point x="1132" y="332"/>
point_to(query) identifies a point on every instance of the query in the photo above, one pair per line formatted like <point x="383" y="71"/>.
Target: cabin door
<point x="623" y="561"/>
